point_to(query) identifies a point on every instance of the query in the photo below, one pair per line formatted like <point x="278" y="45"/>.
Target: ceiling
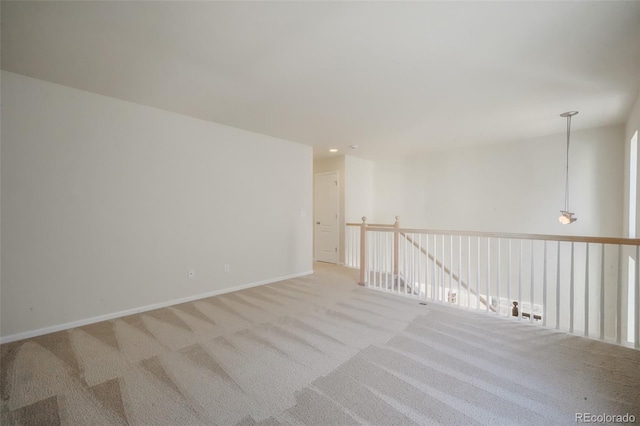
<point x="394" y="78"/>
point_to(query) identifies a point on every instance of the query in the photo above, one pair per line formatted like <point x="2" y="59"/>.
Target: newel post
<point x="363" y="245"/>
<point x="396" y="225"/>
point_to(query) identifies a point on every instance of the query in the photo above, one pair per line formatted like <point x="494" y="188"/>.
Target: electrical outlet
<point x="227" y="267"/>
<point x="191" y="273"/>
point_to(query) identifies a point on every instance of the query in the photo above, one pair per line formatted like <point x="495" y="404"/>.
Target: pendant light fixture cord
<point x="567" y="217"/>
<point x="566" y="185"/>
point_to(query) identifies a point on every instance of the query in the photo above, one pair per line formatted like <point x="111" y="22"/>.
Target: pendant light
<point x="566" y="217"/>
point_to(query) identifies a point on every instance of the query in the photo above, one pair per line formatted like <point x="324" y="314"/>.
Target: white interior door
<point x="326" y="229"/>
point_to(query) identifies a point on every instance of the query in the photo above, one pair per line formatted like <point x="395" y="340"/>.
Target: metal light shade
<point x="566" y="218"/>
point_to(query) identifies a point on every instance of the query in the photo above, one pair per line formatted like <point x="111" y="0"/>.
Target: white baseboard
<point x="99" y="318"/>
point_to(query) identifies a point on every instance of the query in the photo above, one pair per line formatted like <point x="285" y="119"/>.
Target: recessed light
<point x="333" y="150"/>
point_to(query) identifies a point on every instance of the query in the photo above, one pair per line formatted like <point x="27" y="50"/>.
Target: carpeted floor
<point x="317" y="350"/>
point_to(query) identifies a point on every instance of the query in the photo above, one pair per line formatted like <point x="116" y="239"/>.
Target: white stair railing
<point x="583" y="285"/>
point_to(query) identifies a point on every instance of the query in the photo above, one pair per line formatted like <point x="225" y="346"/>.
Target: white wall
<point x="632" y="126"/>
<point x="511" y="187"/>
<point x="0" y="205"/>
<point x="106" y="205"/>
<point x="633" y="121"/>
<point x="358" y="189"/>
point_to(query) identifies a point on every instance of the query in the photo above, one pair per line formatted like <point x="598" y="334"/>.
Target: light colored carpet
<point x="317" y="350"/>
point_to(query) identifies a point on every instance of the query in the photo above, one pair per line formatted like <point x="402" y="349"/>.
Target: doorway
<point x="326" y="211"/>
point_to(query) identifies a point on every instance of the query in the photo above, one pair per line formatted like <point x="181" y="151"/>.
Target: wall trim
<point x="106" y="317"/>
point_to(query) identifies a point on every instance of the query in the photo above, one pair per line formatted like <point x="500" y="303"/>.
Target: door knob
<point x="317" y="223"/>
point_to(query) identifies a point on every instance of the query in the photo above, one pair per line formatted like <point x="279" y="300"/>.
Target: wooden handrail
<point x="453" y="275"/>
<point x="514" y="236"/>
<point x="371" y="225"/>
